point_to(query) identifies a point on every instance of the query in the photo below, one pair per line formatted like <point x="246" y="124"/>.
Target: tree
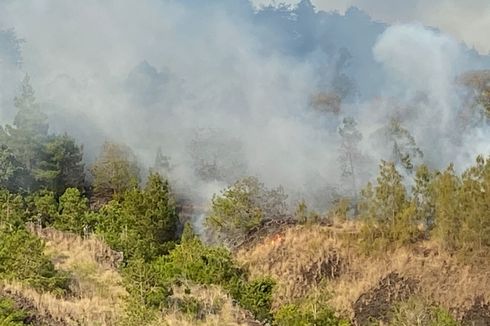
<point x="475" y="206"/>
<point x="141" y="223"/>
<point x="30" y="127"/>
<point x="244" y="206"/>
<point x="404" y="148"/>
<point x="22" y="258"/>
<point x="350" y="155"/>
<point x="423" y="196"/>
<point x="13" y="175"/>
<point x="73" y="212"/>
<point x="388" y="214"/>
<point x="43" y="208"/>
<point x="62" y="166"/>
<point x="446" y="187"/>
<point x="114" y="172"/>
<point x="162" y="164"/>
<point x="38" y="159"/>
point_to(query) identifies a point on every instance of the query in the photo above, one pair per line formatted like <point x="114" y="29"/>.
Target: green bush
<point x="244" y="206"/>
<point x="73" y="212"/>
<point x="141" y="223"/>
<point x="22" y="258"/>
<point x="9" y="314"/>
<point x="256" y="297"/>
<point x="295" y="315"/>
<point x="417" y="311"/>
<point x="191" y="260"/>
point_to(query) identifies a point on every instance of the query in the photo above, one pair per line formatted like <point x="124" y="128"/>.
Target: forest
<point x="45" y="186"/>
<point x="311" y="178"/>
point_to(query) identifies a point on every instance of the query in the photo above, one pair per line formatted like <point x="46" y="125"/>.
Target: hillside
<point x="326" y="261"/>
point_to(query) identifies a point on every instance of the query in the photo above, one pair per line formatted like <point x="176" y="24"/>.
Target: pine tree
<point x="114" y="172"/>
<point x="62" y="165"/>
<point x="404" y="148"/>
<point x="446" y="188"/>
<point x="350" y="154"/>
<point x="475" y="206"/>
<point x="423" y="196"/>
<point x="30" y="129"/>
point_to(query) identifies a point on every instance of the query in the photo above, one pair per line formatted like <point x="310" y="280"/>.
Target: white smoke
<point x="156" y="73"/>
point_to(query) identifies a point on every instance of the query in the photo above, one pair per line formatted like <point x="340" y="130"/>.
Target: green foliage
<point x="191" y="260"/>
<point x="295" y="315"/>
<point x="475" y="207"/>
<point x="405" y="150"/>
<point x="141" y="223"/>
<point x="30" y="158"/>
<point x="22" y="258"/>
<point x="43" y="208"/>
<point x="244" y="206"/>
<point x="256" y="297"/>
<point x="12" y="210"/>
<point x="416" y="311"/>
<point x="9" y="314"/>
<point x="62" y="165"/>
<point x="115" y="171"/>
<point x="73" y="212"/>
<point x="13" y="175"/>
<point x="446" y="188"/>
<point x="388" y="214"/>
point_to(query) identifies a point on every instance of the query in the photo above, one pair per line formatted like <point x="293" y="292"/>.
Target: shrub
<point x="22" y="258"/>
<point x="9" y="314"/>
<point x="295" y="315"/>
<point x="244" y="206"/>
<point x="141" y="223"/>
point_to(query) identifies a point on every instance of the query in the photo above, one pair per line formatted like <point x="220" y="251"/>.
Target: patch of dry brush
<point x="301" y="256"/>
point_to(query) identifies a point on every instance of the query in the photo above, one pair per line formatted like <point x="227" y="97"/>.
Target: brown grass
<point x="302" y="251"/>
<point x="97" y="296"/>
<point x="218" y="309"/>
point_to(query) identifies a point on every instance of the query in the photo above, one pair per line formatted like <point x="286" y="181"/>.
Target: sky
<point x="467" y="20"/>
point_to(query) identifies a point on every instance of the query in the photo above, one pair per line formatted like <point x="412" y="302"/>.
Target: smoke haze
<point x="225" y="83"/>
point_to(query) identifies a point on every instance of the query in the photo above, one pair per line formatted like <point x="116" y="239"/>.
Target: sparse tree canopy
<point x="243" y="206"/>
<point x="114" y="172"/>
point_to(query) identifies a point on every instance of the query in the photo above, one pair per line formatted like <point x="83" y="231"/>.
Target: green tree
<point x="43" y="208"/>
<point x="141" y="223"/>
<point x="61" y="166"/>
<point x="244" y="206"/>
<point x="475" y="206"/>
<point x="114" y="172"/>
<point x="404" y="148"/>
<point x="73" y="212"/>
<point x="22" y="259"/>
<point x="13" y="175"/>
<point x="446" y="188"/>
<point x="388" y="214"/>
<point x="30" y="128"/>
<point x="10" y="315"/>
<point x="12" y="210"/>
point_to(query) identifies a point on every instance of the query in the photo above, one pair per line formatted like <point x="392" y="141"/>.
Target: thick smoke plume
<point x="227" y="90"/>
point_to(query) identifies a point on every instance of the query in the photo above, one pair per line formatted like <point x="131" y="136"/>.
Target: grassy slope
<point x="300" y="256"/>
<point x="98" y="296"/>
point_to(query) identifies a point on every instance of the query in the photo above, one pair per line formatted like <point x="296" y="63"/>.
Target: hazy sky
<point x="468" y="20"/>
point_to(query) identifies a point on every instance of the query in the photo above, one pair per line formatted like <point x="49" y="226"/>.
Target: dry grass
<point x="218" y="309"/>
<point x="302" y="255"/>
<point x="97" y="296"/>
